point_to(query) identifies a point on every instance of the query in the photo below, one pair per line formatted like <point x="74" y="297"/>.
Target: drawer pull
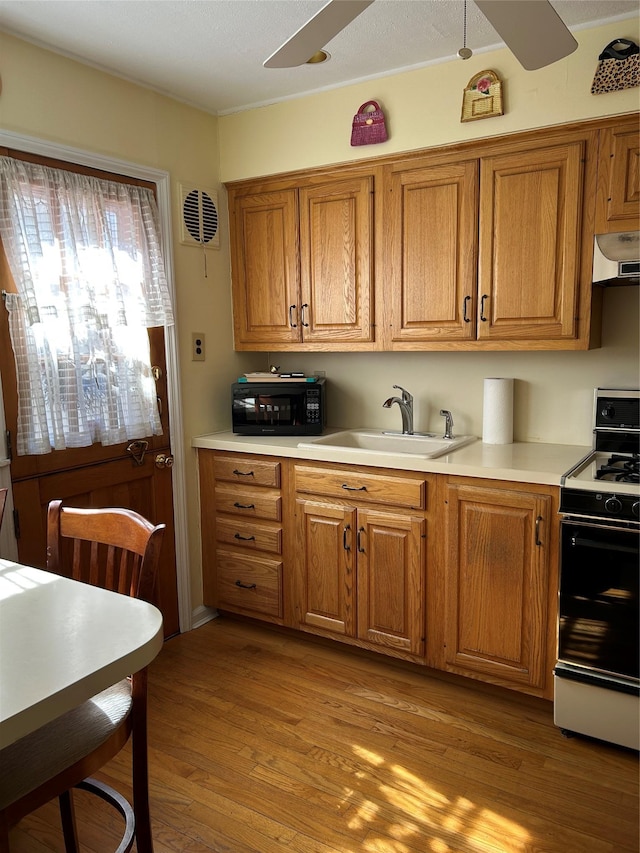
<point x="346" y="546"/>
<point x="466" y="319"/>
<point x="243" y="473"/>
<point x="482" y="301"/>
<point x="539" y="520"/>
<point x="354" y="488"/>
<point x="244" y="506"/>
<point x="246" y="585"/>
<point x="244" y="538"/>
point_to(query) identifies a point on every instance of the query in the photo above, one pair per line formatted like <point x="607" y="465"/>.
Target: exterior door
<point x="92" y="476"/>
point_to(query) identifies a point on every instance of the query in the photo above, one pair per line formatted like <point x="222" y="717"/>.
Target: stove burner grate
<point x="621" y="469"/>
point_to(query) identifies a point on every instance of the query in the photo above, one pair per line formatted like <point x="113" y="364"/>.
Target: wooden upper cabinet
<point x="265" y="268"/>
<point x="618" y="194"/>
<point x="336" y="263"/>
<point x="433" y="238"/>
<point x="484" y="245"/>
<point x="302" y="265"/>
<point x="530" y="243"/>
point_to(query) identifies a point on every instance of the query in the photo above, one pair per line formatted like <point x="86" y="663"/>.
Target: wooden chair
<point x="118" y="550"/>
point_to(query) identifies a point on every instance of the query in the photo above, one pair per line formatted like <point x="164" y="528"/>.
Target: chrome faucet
<point x="406" y="409"/>
<point x="448" y="423"/>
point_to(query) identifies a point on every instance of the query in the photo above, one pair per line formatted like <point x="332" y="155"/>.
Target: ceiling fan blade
<point x="325" y="25"/>
<point x="531" y="29"/>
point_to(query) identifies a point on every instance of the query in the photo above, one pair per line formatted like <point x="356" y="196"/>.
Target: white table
<point x="62" y="641"/>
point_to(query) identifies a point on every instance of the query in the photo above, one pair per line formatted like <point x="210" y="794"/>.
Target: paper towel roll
<point x="497" y="415"/>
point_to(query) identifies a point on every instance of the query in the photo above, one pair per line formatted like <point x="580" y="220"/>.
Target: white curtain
<point x="86" y="257"/>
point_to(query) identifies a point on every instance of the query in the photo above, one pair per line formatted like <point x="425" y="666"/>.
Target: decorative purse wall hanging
<point x="618" y="67"/>
<point x="483" y="97"/>
<point x="368" y="127"/>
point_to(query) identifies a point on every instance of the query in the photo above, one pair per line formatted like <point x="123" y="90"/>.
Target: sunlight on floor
<point x="431" y="821"/>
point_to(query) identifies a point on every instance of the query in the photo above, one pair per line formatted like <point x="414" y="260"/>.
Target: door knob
<point x="164" y="460"/>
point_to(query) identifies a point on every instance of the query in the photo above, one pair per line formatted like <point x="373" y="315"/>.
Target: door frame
<point x="162" y="180"/>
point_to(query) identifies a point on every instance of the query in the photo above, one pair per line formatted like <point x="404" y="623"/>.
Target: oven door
<point x="598" y="606"/>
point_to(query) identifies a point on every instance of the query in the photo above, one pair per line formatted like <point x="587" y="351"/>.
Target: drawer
<point x="249" y="534"/>
<point x="247" y="470"/>
<point x="249" y="503"/>
<point x="248" y="583"/>
<point x="351" y="485"/>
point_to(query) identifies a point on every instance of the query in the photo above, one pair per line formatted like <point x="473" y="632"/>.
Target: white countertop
<point x="61" y="642"/>
<point x="521" y="462"/>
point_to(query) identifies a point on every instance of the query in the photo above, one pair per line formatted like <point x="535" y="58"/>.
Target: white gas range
<point x="597" y="677"/>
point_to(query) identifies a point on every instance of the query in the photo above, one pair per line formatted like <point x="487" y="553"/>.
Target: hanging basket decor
<point x="618" y="67"/>
<point x="483" y="97"/>
<point x="368" y="126"/>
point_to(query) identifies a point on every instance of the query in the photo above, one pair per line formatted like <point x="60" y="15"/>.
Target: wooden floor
<point x="262" y="742"/>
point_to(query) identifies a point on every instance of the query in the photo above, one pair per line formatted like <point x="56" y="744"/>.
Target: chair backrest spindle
<point x="113" y="548"/>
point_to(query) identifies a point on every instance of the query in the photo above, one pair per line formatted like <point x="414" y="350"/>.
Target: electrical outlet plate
<point x="197" y="346"/>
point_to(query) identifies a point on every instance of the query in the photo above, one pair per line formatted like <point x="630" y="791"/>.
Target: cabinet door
<point x="325" y="567"/>
<point x="265" y="267"/>
<point x="530" y="218"/>
<point x="496" y="584"/>
<point x="433" y="238"/>
<point x="336" y="263"/>
<point x="391" y="570"/>
<point x="618" y="196"/>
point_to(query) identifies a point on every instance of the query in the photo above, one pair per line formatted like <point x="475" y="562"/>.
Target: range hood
<point x="616" y="259"/>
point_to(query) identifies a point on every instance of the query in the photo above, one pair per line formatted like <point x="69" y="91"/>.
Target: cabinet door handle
<point x="244" y="538"/>
<point x="245" y="585"/>
<point x="465" y="316"/>
<point x="482" y="317"/>
<point x="345" y="545"/>
<point x="539" y="520"/>
<point x="358" y="541"/>
<point x="243" y="473"/>
<point x="291" y="323"/>
<point x="354" y="488"/>
<point x="302" y="321"/>
<point x="244" y="506"/>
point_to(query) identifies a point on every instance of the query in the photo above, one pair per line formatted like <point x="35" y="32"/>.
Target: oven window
<point x="599" y="599"/>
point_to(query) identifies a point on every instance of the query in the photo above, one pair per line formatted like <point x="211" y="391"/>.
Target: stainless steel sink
<point x="424" y="446"/>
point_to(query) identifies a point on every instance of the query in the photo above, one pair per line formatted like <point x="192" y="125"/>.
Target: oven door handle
<point x="579" y="541"/>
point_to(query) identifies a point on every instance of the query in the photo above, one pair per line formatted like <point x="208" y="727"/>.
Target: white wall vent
<point x="199" y="220"/>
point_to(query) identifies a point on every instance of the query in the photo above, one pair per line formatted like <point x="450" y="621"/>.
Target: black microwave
<point x="278" y="408"/>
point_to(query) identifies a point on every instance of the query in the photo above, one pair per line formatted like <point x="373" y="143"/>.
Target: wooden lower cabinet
<point x="360" y="573"/>
<point x="360" y="556"/>
<point x="242" y="536"/>
<point x="343" y="552"/>
<point x="500" y="578"/>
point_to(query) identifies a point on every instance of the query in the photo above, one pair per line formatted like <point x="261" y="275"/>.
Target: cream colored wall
<point x="422" y="108"/>
<point x="53" y="98"/>
<point x="553" y="391"/>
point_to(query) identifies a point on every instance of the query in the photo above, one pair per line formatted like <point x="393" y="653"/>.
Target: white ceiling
<point x="209" y="53"/>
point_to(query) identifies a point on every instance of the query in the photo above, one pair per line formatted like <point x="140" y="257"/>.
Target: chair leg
<point x="140" y="766"/>
<point x="4" y="833"/>
<point x="68" y="818"/>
